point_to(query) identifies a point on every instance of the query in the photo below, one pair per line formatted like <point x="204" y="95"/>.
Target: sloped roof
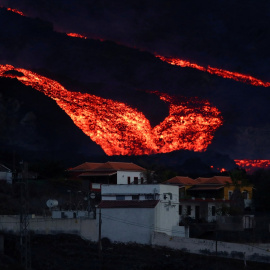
<point x="108" y="166"/>
<point x="181" y="180"/>
<point x="218" y="180"/>
<point x="119" y="166"/>
<point x="128" y="204"/>
<point x="86" y="166"/>
<point x="85" y="174"/>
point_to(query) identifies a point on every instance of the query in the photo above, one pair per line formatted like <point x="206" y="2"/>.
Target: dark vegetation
<point x="68" y="252"/>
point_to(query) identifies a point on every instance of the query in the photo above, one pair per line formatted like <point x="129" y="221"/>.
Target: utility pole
<point x="99" y="234"/>
<point x="24" y="219"/>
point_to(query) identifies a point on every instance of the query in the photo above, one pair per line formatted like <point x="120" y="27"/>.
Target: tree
<point x="237" y="204"/>
<point x="261" y="198"/>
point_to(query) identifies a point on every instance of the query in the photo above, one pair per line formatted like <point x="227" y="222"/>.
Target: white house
<point x="5" y="174"/>
<point x="207" y="209"/>
<point x="96" y="174"/>
<point x="131" y="213"/>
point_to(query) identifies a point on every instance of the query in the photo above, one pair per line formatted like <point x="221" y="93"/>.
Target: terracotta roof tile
<point x="223" y="180"/>
<point x="117" y="166"/>
<point x="97" y="174"/>
<point x="108" y="166"/>
<point x="128" y="204"/>
<point x="86" y="166"/>
<point x="181" y="180"/>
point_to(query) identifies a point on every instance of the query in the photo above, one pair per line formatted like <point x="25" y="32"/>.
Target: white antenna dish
<point x="52" y="203"/>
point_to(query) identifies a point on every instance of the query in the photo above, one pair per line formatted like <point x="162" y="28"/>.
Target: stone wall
<point x="86" y="228"/>
<point x="245" y="252"/>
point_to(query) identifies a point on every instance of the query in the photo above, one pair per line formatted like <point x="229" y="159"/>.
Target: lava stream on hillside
<point x="76" y="35"/>
<point x="122" y="130"/>
<point x="251" y="165"/>
<point x="216" y="71"/>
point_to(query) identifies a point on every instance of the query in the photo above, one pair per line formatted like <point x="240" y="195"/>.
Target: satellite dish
<point x="52" y="203"/>
<point x="92" y="195"/>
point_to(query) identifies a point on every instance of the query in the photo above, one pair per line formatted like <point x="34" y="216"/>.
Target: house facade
<point x="204" y="199"/>
<point x="131" y="213"/>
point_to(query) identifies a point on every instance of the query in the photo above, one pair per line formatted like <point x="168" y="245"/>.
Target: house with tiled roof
<point x="93" y="175"/>
<point x="205" y="198"/>
<point x="183" y="182"/>
<point x="132" y="213"/>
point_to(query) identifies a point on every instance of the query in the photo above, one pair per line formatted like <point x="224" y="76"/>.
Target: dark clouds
<point x="233" y="35"/>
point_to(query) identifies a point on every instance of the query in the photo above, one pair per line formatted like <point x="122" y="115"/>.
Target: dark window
<point x="149" y="197"/>
<point x="213" y="210"/>
<point x="120" y="197"/>
<point x="180" y="209"/>
<point x="182" y="194"/>
<point x="188" y="210"/>
<point x="136" y="180"/>
<point x="128" y="179"/>
<point x="245" y="194"/>
<point x="141" y="180"/>
<point x="135" y="197"/>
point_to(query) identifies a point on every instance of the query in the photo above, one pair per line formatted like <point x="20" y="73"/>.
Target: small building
<point x="93" y="175"/>
<point x="131" y="213"/>
<point x="203" y="199"/>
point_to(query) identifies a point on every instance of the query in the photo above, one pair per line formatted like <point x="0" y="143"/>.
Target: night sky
<point x="117" y="60"/>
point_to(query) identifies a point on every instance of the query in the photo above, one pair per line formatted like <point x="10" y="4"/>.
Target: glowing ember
<point x="76" y="35"/>
<point x="218" y="169"/>
<point x="216" y="71"/>
<point x="122" y="130"/>
<point x="251" y="165"/>
<point x="15" y="11"/>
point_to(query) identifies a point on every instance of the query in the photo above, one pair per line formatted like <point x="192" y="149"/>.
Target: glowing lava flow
<point x="216" y="71"/>
<point x="122" y="130"/>
<point x="251" y="165"/>
<point x="15" y="11"/>
<point x="76" y="35"/>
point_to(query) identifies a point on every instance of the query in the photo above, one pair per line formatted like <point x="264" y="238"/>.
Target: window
<point x="188" y="210"/>
<point x="141" y="180"/>
<point x="182" y="194"/>
<point x="245" y="195"/>
<point x="230" y="194"/>
<point x="120" y="197"/>
<point x="128" y="180"/>
<point x="135" y="197"/>
<point x="149" y="196"/>
<point x="136" y="180"/>
<point x="213" y="210"/>
<point x="180" y="209"/>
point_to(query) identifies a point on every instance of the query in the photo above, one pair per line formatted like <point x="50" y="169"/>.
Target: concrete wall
<point x="208" y="247"/>
<point x="86" y="228"/>
<point x="127" y="224"/>
<point x="166" y="216"/>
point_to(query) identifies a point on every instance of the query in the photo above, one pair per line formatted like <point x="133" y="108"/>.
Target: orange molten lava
<point x="251" y="165"/>
<point x="219" y="72"/>
<point x="15" y="11"/>
<point x="76" y="35"/>
<point x="122" y="130"/>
